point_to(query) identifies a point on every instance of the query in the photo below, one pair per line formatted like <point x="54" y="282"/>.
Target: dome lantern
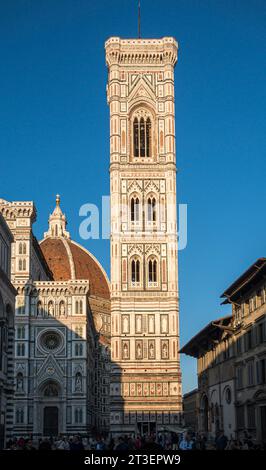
<point x="57" y="222"/>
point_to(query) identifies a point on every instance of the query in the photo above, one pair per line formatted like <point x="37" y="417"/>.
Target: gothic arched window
<point x="134" y="209"/>
<point x="135" y="270"/>
<point x="151" y="209"/>
<point x="22" y="248"/>
<point x="142" y="136"/>
<point x="136" y="137"/>
<point x="142" y="140"/>
<point x="152" y="270"/>
<point x="148" y="136"/>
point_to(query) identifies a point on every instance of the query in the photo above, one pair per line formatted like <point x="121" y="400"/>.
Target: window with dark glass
<point x="142" y="137"/>
<point x="136" y="137"/>
<point x="148" y="134"/>
<point x="134" y="210"/>
<point x="151" y="209"/>
<point x="153" y="270"/>
<point x="135" y="270"/>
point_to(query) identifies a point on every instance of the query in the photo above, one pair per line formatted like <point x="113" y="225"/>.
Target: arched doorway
<point x="50" y="394"/>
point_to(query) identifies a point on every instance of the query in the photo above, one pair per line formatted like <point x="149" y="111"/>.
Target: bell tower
<point x="145" y="390"/>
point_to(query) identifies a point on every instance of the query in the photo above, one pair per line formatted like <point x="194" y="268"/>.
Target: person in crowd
<point x="221" y="441"/>
<point x="186" y="443"/>
<point x="130" y="443"/>
<point x="45" y="444"/>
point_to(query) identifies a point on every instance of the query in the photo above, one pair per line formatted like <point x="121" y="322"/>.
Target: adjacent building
<point x="7" y="309"/>
<point x="62" y="330"/>
<point x="231" y="356"/>
<point x="190" y="403"/>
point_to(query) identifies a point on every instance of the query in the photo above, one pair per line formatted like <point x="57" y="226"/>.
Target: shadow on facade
<point x="6" y="363"/>
<point x="61" y="373"/>
<point x="232" y="379"/>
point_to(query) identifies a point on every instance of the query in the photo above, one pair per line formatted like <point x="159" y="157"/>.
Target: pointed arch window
<point x="134" y="209"/>
<point x="136" y="137"/>
<point x="152" y="271"/>
<point x="21" y="264"/>
<point x="142" y="136"/>
<point x="135" y="271"/>
<point x="22" y="248"/>
<point x="148" y="136"/>
<point x="151" y="209"/>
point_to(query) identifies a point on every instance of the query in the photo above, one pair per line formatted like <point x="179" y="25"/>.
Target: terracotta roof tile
<point x="56" y="257"/>
<point x="86" y="267"/>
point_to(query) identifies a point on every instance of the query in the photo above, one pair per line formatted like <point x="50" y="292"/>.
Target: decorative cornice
<point x="141" y="51"/>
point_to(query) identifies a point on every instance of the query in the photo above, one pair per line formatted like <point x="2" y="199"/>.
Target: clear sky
<point x="54" y="126"/>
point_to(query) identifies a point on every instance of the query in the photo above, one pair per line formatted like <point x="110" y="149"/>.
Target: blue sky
<point x="54" y="127"/>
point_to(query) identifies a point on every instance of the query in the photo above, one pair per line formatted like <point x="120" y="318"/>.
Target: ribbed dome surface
<point x="68" y="260"/>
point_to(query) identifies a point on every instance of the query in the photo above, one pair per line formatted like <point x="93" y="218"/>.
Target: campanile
<point x="146" y="393"/>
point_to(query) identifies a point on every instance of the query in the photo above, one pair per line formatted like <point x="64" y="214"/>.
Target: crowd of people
<point x="154" y="442"/>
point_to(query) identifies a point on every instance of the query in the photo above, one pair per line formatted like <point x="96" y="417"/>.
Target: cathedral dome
<point x="68" y="260"/>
